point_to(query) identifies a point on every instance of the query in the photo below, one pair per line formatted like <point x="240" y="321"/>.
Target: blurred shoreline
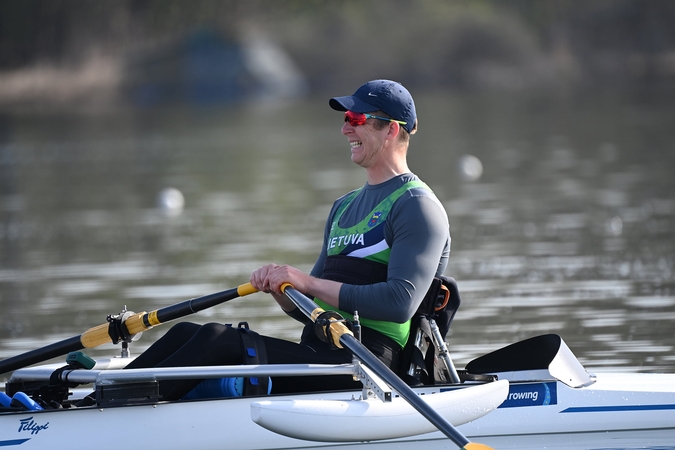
<point x="100" y="85"/>
<point x="103" y="56"/>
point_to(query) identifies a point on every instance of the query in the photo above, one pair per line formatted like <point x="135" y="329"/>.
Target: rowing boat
<point x="534" y="389"/>
<point x="375" y="413"/>
<point x="533" y="392"/>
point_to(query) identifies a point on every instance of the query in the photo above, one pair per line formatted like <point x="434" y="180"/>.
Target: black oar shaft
<point x="199" y="304"/>
<point x="135" y="324"/>
<point x="144" y="321"/>
<point x="42" y="354"/>
<point x="348" y="341"/>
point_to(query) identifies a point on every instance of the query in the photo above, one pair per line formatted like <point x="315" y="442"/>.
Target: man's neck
<point x="379" y="174"/>
<point x="391" y="161"/>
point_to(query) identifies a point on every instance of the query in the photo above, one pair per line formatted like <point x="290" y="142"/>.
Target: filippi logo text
<point x="30" y="425"/>
<point x="531" y="394"/>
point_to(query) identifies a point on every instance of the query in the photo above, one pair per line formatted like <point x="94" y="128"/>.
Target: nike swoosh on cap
<point x="370" y="94"/>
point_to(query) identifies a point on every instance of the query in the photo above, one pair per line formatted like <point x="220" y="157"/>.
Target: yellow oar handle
<point x="246" y="289"/>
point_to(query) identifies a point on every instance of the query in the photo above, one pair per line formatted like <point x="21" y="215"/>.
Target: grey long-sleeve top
<point x="416" y="230"/>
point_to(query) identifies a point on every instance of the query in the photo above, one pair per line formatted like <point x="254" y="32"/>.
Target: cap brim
<point x="351" y="103"/>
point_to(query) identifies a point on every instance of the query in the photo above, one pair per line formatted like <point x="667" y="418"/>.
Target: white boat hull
<point x="554" y="404"/>
<point x="625" y="404"/>
<point x="227" y="423"/>
<point x="615" y="402"/>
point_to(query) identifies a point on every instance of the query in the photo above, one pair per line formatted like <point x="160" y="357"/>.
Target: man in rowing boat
<point x="383" y="245"/>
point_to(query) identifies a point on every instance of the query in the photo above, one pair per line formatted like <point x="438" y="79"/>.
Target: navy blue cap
<point x="380" y="95"/>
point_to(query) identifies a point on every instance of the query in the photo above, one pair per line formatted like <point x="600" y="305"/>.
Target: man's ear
<point x="394" y="130"/>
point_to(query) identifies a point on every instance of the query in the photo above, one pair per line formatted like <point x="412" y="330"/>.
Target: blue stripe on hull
<point x="618" y="408"/>
<point x="13" y="442"/>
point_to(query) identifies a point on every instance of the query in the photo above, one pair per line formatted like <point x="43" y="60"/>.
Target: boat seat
<point x="425" y="359"/>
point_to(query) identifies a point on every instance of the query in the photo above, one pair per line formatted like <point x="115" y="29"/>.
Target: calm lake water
<point x="569" y="228"/>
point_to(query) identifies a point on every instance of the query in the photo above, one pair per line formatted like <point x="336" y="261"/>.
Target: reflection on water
<point x="567" y="228"/>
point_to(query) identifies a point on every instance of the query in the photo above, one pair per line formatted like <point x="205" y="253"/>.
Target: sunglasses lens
<point x="355" y="119"/>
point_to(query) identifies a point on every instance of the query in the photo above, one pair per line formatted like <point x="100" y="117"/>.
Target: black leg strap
<point x="254" y="353"/>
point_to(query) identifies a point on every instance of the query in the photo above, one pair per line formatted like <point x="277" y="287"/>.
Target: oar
<point x="135" y="324"/>
<point x="342" y="337"/>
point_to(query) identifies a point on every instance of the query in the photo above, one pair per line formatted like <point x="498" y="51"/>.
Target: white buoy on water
<point x="470" y="167"/>
<point x="171" y="201"/>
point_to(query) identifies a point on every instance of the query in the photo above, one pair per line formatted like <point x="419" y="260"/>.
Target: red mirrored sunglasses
<point x="356" y="119"/>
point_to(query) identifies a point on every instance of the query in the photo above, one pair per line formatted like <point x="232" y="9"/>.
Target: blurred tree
<point x="29" y="30"/>
<point x="417" y="39"/>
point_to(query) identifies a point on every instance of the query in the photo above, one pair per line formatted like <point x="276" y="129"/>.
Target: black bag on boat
<point x="253" y="353"/>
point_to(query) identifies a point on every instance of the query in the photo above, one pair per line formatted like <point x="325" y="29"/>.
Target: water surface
<point x="567" y="230"/>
